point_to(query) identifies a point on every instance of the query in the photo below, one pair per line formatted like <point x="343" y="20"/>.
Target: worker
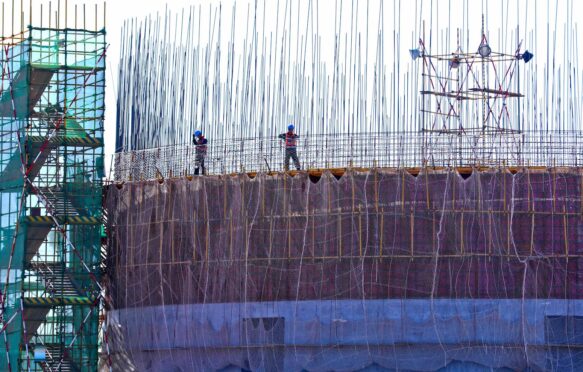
<point x="290" y="147"/>
<point x="201" y="148"/>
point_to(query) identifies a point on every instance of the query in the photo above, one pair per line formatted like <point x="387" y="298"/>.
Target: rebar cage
<point x="365" y="150"/>
<point x="51" y="164"/>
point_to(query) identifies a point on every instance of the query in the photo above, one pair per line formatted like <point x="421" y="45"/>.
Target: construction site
<point x="432" y="219"/>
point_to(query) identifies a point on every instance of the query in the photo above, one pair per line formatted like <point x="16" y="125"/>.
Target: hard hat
<point x="290" y="127"/>
<point x="198" y="133"/>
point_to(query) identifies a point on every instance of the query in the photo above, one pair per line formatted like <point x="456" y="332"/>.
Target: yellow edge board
<point x="56" y="301"/>
<point x="414" y="171"/>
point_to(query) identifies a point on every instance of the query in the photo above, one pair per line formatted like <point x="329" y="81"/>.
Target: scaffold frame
<point x="52" y="109"/>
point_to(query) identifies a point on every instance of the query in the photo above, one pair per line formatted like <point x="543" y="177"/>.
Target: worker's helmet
<point x="290" y="127"/>
<point x="198" y="133"/>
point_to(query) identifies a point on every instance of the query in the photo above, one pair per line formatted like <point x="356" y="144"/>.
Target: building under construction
<point x="377" y="269"/>
<point x="455" y="245"/>
<point x="435" y="224"/>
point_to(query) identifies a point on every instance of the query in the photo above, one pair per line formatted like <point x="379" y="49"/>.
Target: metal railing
<point x="419" y="149"/>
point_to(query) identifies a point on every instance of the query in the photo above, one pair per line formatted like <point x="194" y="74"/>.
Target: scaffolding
<point x="471" y="96"/>
<point x="51" y="169"/>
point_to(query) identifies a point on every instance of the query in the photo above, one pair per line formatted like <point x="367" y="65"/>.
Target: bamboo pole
<point x="339" y="235"/>
<point x="462" y="234"/>
<point x="381" y="232"/>
<point x="359" y="231"/>
<point x="231" y="236"/>
<point x="565" y="230"/>
<point x="411" y="232"/>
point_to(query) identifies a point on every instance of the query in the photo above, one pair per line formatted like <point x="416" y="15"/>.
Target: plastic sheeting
<point x="375" y="270"/>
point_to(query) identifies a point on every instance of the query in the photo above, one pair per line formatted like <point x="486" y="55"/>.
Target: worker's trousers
<point x="291" y="153"/>
<point x="199" y="163"/>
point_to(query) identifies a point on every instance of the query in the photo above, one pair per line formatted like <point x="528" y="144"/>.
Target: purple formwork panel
<point x="361" y="240"/>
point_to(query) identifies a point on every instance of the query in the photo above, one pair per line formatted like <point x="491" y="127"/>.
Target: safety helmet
<point x="198" y="133"/>
<point x="290" y="127"/>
